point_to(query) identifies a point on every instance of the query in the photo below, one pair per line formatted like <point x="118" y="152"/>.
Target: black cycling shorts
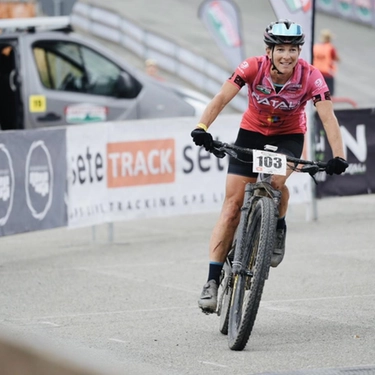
<point x="288" y="144"/>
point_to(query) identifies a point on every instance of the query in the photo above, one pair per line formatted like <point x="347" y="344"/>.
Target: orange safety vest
<point x="324" y="58"/>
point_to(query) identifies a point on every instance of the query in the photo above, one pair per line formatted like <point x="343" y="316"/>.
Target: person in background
<point x="325" y="59"/>
<point x="152" y="69"/>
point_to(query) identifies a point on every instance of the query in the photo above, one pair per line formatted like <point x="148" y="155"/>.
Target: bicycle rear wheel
<point x="258" y="245"/>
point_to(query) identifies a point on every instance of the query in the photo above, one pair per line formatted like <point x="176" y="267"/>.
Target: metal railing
<point x="175" y="59"/>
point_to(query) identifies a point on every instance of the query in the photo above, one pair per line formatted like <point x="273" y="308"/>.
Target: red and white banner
<point x="302" y="12"/>
<point x="131" y="170"/>
<point x="223" y="21"/>
<point x="122" y="171"/>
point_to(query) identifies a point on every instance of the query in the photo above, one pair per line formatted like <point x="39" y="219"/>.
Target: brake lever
<point x="231" y="153"/>
<point x="312" y="170"/>
<point x="218" y="153"/>
<point x="314" y="179"/>
<point x="220" y="150"/>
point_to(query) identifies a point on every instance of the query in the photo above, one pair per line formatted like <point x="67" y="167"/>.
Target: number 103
<point x="270" y="162"/>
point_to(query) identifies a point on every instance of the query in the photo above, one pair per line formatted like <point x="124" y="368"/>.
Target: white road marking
<point x="101" y="313"/>
<point x="213" y="364"/>
<point x="50" y="324"/>
<point x="131" y="277"/>
<point x="317" y="299"/>
<point x="117" y="340"/>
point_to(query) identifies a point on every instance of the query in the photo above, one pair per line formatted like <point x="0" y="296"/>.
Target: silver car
<point x="51" y="77"/>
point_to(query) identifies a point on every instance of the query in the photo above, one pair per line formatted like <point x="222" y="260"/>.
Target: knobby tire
<point x="225" y="297"/>
<point x="258" y="244"/>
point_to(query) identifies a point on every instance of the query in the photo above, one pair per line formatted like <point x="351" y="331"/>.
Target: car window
<point x="56" y="71"/>
<point x="102" y="74"/>
<point x="71" y="67"/>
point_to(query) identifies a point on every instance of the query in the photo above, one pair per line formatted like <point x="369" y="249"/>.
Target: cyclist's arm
<point x="331" y="127"/>
<point x="227" y="92"/>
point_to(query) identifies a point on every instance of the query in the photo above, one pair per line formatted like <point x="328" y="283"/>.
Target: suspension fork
<point x="237" y="266"/>
<point x="253" y="191"/>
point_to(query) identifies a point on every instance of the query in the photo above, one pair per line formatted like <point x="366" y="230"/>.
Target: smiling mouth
<point x="285" y="66"/>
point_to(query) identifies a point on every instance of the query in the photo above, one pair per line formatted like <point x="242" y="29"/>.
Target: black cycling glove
<point x="336" y="166"/>
<point x="202" y="138"/>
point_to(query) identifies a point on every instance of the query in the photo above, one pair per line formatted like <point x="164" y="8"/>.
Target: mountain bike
<point x="248" y="262"/>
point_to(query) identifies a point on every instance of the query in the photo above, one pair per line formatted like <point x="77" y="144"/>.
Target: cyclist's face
<point x="285" y="57"/>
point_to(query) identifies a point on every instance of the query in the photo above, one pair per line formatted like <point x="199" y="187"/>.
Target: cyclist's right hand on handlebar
<point x="202" y="138"/>
<point x="218" y="154"/>
<point x="336" y="166"/>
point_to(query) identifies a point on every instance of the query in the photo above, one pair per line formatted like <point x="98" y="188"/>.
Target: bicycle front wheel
<point x="257" y="247"/>
<point x="225" y="293"/>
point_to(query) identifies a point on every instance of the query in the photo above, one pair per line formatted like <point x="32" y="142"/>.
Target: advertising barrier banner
<point x="358" y="132"/>
<point x="123" y="171"/>
<point x="362" y="11"/>
<point x="129" y="170"/>
<point x="32" y="180"/>
<point x="88" y="200"/>
<point x="87" y="175"/>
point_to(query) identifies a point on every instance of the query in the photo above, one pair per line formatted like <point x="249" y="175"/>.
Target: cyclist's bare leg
<point x="283" y="206"/>
<point x="222" y="238"/>
<point x="278" y="182"/>
<point x="223" y="232"/>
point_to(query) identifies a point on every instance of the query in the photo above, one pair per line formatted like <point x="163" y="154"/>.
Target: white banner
<point x="87" y="174"/>
<point x="302" y="12"/>
<point x="123" y="171"/>
<point x="147" y="168"/>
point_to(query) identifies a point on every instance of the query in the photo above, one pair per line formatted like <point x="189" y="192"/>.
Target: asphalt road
<point x="132" y="304"/>
<point x="178" y="20"/>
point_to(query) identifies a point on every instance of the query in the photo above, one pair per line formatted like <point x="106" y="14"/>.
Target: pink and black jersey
<point x="272" y="113"/>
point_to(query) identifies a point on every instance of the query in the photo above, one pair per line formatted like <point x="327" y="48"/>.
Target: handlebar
<point x="221" y="149"/>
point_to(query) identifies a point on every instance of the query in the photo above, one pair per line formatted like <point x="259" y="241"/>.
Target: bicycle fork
<point x="253" y="191"/>
<point x="237" y="266"/>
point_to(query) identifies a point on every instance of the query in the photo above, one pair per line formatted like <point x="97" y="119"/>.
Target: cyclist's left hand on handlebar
<point x="336" y="166"/>
<point x="202" y="138"/>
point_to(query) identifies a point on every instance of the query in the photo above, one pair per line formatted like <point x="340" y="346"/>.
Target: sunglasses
<point x="281" y="30"/>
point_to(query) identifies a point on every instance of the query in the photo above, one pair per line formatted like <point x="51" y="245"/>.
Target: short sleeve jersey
<point x="272" y="113"/>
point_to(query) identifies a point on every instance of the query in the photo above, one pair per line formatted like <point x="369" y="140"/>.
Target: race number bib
<point x="269" y="162"/>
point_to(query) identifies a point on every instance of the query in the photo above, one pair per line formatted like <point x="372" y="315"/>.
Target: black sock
<point x="281" y="223"/>
<point x="215" y="271"/>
